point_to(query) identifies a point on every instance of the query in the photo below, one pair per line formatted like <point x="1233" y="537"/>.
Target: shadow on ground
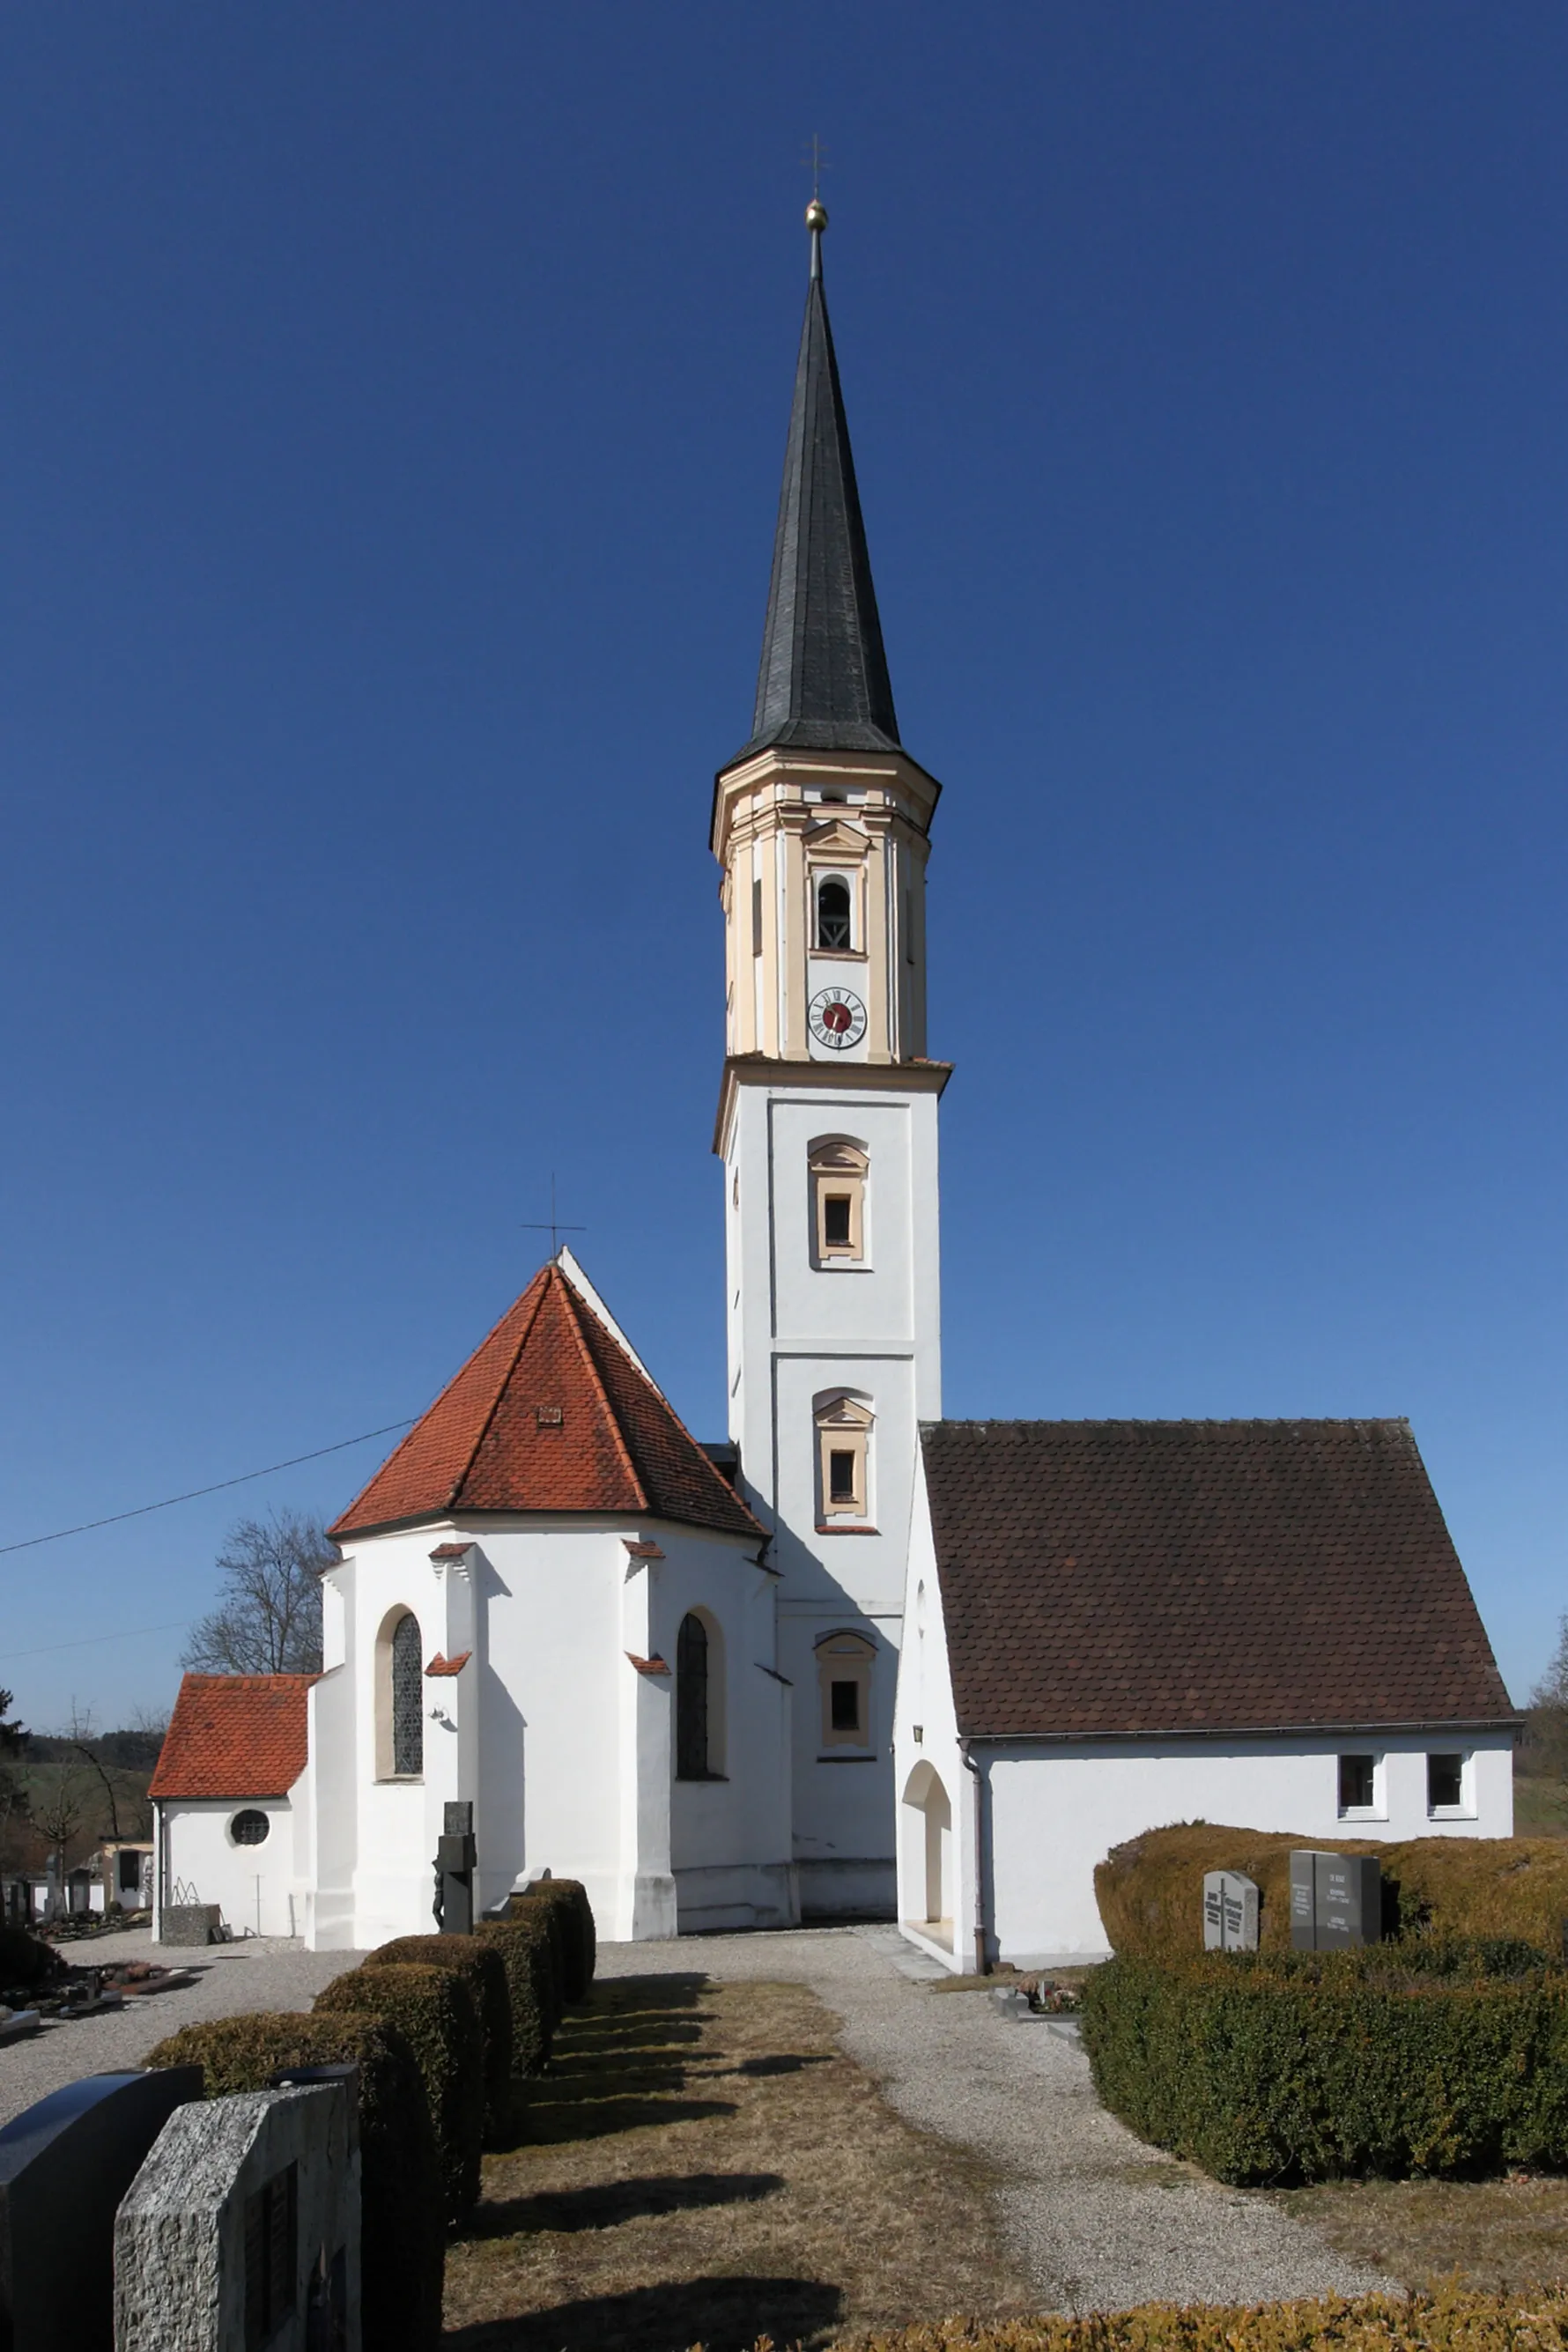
<point x="602" y="2207"/>
<point x="722" y="2314"/>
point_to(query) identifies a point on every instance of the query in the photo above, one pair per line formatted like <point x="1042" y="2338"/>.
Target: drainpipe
<point x="982" y="1939"/>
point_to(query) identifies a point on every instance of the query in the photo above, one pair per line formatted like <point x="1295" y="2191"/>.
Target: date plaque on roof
<point x="1230" y="1912"/>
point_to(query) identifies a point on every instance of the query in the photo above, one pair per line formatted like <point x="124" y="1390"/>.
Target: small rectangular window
<point x="1445" y="1783"/>
<point x="840" y="1476"/>
<point x="836" y="1208"/>
<point x="1357" y="1782"/>
<point x="757" y="917"/>
<point x="844" y="1706"/>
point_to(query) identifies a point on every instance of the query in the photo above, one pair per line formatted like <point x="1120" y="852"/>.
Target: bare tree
<point x="60" y="1810"/>
<point x="268" y="1616"/>
<point x="1546" y="1725"/>
<point x="14" y="1738"/>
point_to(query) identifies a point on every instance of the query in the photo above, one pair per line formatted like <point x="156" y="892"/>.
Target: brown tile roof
<point x="234" y="1735"/>
<point x="549" y="1413"/>
<point x="1141" y="1576"/>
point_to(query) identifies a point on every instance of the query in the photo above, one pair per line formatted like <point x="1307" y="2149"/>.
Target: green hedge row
<point x="1304" y="2066"/>
<point x="479" y="1966"/>
<point x="572" y="1923"/>
<point x="1449" y="2322"/>
<point x="527" y="1950"/>
<point x="1150" y="1891"/>
<point x="434" y="2013"/>
<point x="403" y="2236"/>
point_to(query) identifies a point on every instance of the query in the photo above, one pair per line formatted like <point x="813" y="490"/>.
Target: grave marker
<point x="65" y="2164"/>
<point x="1230" y="1912"/>
<point x="242" y="2229"/>
<point x="1336" y="1901"/>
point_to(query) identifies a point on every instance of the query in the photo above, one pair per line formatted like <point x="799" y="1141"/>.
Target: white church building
<point x="673" y="1670"/>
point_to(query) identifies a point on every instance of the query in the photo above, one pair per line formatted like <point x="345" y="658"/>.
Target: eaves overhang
<point x="1119" y="1735"/>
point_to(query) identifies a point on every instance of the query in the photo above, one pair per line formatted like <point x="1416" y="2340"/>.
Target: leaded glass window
<point x="407" y="1697"/>
<point x="691" y="1700"/>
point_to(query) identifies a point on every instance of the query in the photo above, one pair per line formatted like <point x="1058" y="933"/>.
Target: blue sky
<point x="394" y="402"/>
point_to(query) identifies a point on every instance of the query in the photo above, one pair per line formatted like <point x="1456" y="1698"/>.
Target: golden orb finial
<point x="817" y="216"/>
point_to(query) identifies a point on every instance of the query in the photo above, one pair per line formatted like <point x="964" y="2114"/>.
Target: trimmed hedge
<point x="482" y="1969"/>
<point x="1150" y="1891"/>
<point x="526" y="1949"/>
<point x="405" y="2242"/>
<point x="434" y="2013"/>
<point x="577" y="1944"/>
<point x="1447" y="2322"/>
<point x="1265" y="2066"/>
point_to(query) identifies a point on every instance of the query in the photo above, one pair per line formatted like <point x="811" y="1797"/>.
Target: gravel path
<point x="265" y="1972"/>
<point x="1098" y="2220"/>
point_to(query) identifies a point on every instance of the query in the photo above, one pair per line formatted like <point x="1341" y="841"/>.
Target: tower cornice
<point x="919" y="1077"/>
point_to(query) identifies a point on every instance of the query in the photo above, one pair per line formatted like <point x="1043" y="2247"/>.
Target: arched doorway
<point x="928" y="1889"/>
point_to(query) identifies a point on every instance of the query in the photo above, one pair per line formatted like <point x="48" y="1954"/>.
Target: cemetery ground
<point x="787" y="2132"/>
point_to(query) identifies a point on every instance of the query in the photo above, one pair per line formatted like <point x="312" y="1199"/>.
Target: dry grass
<point x="703" y="2166"/>
<point x="1489" y="2234"/>
<point x="1540" y="1805"/>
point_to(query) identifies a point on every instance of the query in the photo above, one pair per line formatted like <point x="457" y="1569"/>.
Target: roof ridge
<point x="577" y="1308"/>
<point x="541" y="1278"/>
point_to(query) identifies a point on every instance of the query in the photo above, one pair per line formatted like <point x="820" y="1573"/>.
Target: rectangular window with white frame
<point x="1361" y="1791"/>
<point x="1450" y="1785"/>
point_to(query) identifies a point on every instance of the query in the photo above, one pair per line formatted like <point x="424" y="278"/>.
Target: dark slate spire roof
<point x="823" y="685"/>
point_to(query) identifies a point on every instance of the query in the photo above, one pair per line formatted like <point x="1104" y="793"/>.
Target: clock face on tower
<point x="837" y="1018"/>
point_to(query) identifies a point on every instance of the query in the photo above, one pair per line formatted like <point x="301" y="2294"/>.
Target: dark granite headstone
<point x="455" y="1864"/>
<point x="1336" y="1901"/>
<point x="65" y="2165"/>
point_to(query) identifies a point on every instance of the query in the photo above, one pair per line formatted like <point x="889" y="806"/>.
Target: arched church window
<point x="407" y="1697"/>
<point x="834" y="924"/>
<point x="691" y="1700"/>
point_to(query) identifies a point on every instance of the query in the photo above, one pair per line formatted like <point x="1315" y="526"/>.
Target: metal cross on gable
<point x="553" y="1226"/>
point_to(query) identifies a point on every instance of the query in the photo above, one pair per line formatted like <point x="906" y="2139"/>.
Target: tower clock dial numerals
<point x="838" y="1019"/>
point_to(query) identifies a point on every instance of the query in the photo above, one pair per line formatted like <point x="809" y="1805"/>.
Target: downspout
<point x="982" y="1938"/>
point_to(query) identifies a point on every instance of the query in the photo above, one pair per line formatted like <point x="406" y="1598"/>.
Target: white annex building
<point x="674" y="1671"/>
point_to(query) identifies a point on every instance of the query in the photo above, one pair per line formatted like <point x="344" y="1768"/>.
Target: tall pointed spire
<point x="823" y="685"/>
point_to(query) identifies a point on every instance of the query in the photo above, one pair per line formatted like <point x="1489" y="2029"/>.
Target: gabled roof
<point x="234" y="1735"/>
<point x="549" y="1413"/>
<point x="823" y="684"/>
<point x="1182" y="1575"/>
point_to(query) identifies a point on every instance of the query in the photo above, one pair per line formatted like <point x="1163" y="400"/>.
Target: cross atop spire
<point x="823" y="684"/>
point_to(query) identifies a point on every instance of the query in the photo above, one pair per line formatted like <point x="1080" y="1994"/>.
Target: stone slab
<point x="65" y="2164"/>
<point x="242" y="2229"/>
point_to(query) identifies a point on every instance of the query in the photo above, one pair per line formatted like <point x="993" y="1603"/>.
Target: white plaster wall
<point x="925" y="1732"/>
<point x="541" y="1730"/>
<point x="1054" y="1813"/>
<point x="201" y="1854"/>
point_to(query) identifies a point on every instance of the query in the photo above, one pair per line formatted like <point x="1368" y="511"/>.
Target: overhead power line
<point x="194" y="1492"/>
<point x="85" y="1641"/>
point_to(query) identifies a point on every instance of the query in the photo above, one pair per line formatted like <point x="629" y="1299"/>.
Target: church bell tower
<point x="827" y="1131"/>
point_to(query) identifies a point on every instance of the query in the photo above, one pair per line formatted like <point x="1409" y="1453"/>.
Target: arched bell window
<point x="834" y="915"/>
<point x="400" y="1699"/>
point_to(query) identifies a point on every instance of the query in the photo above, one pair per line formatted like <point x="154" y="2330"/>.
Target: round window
<point x="249" y="1829"/>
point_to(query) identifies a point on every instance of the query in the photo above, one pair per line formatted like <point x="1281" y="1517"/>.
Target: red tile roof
<point x="440" y="1664"/>
<point x="549" y="1413"/>
<point x="234" y="1735"/>
<point x="1126" y="1576"/>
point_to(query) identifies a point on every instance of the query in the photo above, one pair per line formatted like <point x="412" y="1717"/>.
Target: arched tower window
<point x="844" y="1663"/>
<point x="835" y="923"/>
<point x="844" y="1427"/>
<point x="400" y="1699"/>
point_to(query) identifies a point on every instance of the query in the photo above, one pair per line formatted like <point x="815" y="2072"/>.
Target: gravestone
<point x="242" y="2229"/>
<point x="65" y="2165"/>
<point x="455" y="1864"/>
<point x="1336" y="1901"/>
<point x="1230" y="1912"/>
